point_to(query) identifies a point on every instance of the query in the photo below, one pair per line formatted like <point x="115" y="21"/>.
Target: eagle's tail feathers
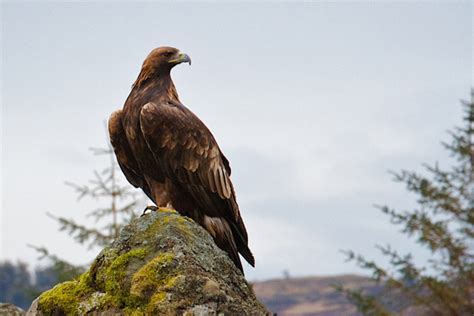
<point x="246" y="253"/>
<point x="221" y="231"/>
<point x="240" y="235"/>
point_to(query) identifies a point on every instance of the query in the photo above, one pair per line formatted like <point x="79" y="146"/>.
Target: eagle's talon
<point x="149" y="208"/>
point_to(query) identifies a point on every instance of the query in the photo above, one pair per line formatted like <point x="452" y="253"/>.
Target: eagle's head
<point x="162" y="59"/>
<point x="159" y="63"/>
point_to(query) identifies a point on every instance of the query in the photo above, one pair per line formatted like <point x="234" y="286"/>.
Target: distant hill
<point x="311" y="295"/>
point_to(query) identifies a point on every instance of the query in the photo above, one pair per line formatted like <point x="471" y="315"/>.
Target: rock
<point x="162" y="263"/>
<point x="33" y="310"/>
<point x="7" y="309"/>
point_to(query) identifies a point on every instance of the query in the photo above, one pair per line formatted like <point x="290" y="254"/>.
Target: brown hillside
<point x="311" y="295"/>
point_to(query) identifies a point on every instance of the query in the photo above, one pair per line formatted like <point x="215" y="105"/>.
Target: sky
<point x="313" y="103"/>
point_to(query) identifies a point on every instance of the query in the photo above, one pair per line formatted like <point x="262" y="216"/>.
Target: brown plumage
<point x="167" y="151"/>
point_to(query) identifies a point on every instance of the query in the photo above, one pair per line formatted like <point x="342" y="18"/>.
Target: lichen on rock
<point x="7" y="309"/>
<point x="162" y="263"/>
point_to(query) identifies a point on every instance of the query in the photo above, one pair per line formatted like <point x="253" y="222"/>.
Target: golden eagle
<point x="167" y="151"/>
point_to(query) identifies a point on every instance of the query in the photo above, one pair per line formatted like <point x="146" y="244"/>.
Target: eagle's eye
<point x="168" y="54"/>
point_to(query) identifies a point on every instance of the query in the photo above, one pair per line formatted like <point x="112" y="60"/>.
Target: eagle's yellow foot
<point x="149" y="208"/>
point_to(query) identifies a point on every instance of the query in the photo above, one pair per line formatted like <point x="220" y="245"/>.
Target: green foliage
<point x="443" y="222"/>
<point x="366" y="304"/>
<point x="15" y="284"/>
<point x="19" y="288"/>
<point x="121" y="202"/>
<point x="57" y="271"/>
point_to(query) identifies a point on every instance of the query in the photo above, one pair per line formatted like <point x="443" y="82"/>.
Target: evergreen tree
<point x="443" y="222"/>
<point x="120" y="202"/>
<point x="15" y="284"/>
<point x="57" y="271"/>
<point x="104" y="186"/>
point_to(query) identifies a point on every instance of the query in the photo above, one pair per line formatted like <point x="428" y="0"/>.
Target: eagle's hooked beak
<point x="182" y="58"/>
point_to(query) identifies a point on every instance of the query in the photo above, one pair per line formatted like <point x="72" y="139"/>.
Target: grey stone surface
<point x="7" y="309"/>
<point x="162" y="263"/>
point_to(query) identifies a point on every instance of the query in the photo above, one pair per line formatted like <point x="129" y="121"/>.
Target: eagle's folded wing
<point x="187" y="153"/>
<point x="124" y="154"/>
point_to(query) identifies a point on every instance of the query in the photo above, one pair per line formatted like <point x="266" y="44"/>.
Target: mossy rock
<point x="161" y="264"/>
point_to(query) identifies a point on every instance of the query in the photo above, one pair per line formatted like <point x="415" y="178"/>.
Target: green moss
<point x="167" y="210"/>
<point x="173" y="221"/>
<point x="152" y="230"/>
<point x="157" y="273"/>
<point x="97" y="301"/>
<point x="125" y="281"/>
<point x="134" y="312"/>
<point x="180" y="222"/>
<point x="158" y="298"/>
<point x="170" y="282"/>
<point x="106" y="301"/>
<point x="98" y="268"/>
<point x="117" y="270"/>
<point x="154" y="281"/>
<point x="66" y="296"/>
<point x="116" y="277"/>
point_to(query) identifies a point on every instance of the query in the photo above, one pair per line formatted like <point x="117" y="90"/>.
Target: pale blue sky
<point x="311" y="102"/>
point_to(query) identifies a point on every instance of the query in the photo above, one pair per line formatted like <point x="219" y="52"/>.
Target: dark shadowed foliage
<point x="15" y="284"/>
<point x="19" y="287"/>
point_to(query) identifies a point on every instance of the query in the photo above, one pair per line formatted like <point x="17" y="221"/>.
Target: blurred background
<point x="313" y="103"/>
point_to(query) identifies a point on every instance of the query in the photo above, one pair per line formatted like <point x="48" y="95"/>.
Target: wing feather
<point x="124" y="154"/>
<point x="189" y="154"/>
